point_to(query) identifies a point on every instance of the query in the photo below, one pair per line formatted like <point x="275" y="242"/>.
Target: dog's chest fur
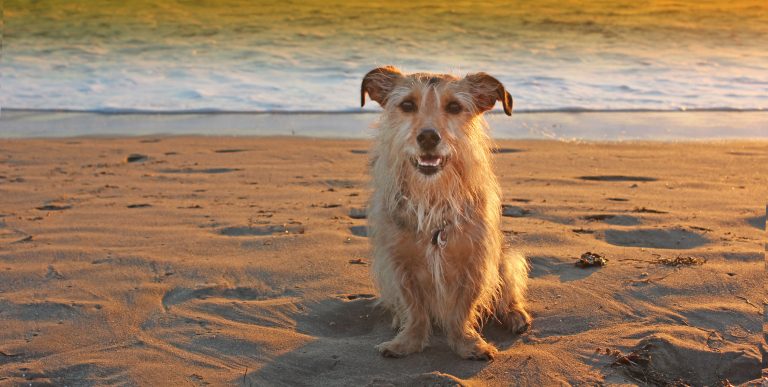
<point x="419" y="216"/>
<point x="432" y="232"/>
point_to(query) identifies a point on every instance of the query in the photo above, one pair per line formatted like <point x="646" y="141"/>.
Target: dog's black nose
<point x="428" y="139"/>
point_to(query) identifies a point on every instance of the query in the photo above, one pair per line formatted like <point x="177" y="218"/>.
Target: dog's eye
<point x="454" y="107"/>
<point x="408" y="106"/>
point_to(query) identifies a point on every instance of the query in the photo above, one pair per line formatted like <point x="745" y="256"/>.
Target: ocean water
<point x="266" y="56"/>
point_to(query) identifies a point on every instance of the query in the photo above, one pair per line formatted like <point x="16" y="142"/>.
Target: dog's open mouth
<point x="429" y="164"/>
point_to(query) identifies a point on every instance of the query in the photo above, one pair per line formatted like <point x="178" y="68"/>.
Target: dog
<point x="435" y="212"/>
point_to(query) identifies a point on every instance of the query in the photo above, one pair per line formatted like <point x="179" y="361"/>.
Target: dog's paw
<point x="396" y="349"/>
<point x="479" y="350"/>
<point x="386" y="352"/>
<point x="517" y="320"/>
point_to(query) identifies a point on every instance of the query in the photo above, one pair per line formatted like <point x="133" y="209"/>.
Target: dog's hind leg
<point x="510" y="306"/>
<point x="414" y="321"/>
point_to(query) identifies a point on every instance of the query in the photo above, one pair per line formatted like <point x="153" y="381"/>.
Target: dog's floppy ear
<point x="378" y="83"/>
<point x="486" y="90"/>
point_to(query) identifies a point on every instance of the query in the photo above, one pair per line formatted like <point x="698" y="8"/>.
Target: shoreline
<point x="566" y="126"/>
<point x="150" y="138"/>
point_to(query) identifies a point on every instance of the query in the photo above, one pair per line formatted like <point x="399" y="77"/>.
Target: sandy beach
<point x="244" y="261"/>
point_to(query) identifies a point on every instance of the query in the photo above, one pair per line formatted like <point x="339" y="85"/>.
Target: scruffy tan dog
<point x="435" y="212"/>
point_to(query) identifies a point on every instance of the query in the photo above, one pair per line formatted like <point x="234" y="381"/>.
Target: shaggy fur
<point x="437" y="243"/>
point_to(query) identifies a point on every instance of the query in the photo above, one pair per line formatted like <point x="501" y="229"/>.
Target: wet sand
<point x="244" y="261"/>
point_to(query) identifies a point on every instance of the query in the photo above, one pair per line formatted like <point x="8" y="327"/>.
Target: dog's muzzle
<point x="429" y="164"/>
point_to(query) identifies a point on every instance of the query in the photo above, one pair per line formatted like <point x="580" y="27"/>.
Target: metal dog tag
<point x="440" y="238"/>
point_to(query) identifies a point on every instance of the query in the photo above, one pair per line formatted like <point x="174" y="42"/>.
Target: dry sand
<point x="226" y="260"/>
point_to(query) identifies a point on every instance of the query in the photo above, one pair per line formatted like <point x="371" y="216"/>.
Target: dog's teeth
<point x="430" y="163"/>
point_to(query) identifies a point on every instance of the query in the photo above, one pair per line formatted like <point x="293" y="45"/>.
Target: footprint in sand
<point x="52" y="273"/>
<point x="513" y="211"/>
<point x="211" y="171"/>
<point x="361" y="231"/>
<point x="139" y="205"/>
<point x="181" y="295"/>
<point x="617" y="178"/>
<point x="230" y="150"/>
<point x="263" y="230"/>
<point x="435" y="378"/>
<point x="357" y="296"/>
<point x="54" y="207"/>
<point x="618" y="220"/>
<point x="341" y="183"/>
<point x="737" y="153"/>
<point x="505" y="150"/>
<point x="136" y="157"/>
<point x="345" y="315"/>
<point x="661" y="360"/>
<point x="674" y="238"/>
<point x="357" y="213"/>
<point x="644" y="210"/>
<point x="757" y="222"/>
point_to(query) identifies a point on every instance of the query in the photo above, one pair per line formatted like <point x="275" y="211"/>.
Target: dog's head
<point x="430" y="116"/>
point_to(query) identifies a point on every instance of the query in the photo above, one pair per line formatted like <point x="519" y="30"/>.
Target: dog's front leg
<point x="414" y="320"/>
<point x="461" y="328"/>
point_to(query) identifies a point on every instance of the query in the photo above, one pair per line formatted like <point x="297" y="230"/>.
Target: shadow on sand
<point x="343" y="352"/>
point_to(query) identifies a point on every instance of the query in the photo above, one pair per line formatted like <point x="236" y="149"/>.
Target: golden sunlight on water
<point x="743" y="19"/>
<point x="275" y="55"/>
